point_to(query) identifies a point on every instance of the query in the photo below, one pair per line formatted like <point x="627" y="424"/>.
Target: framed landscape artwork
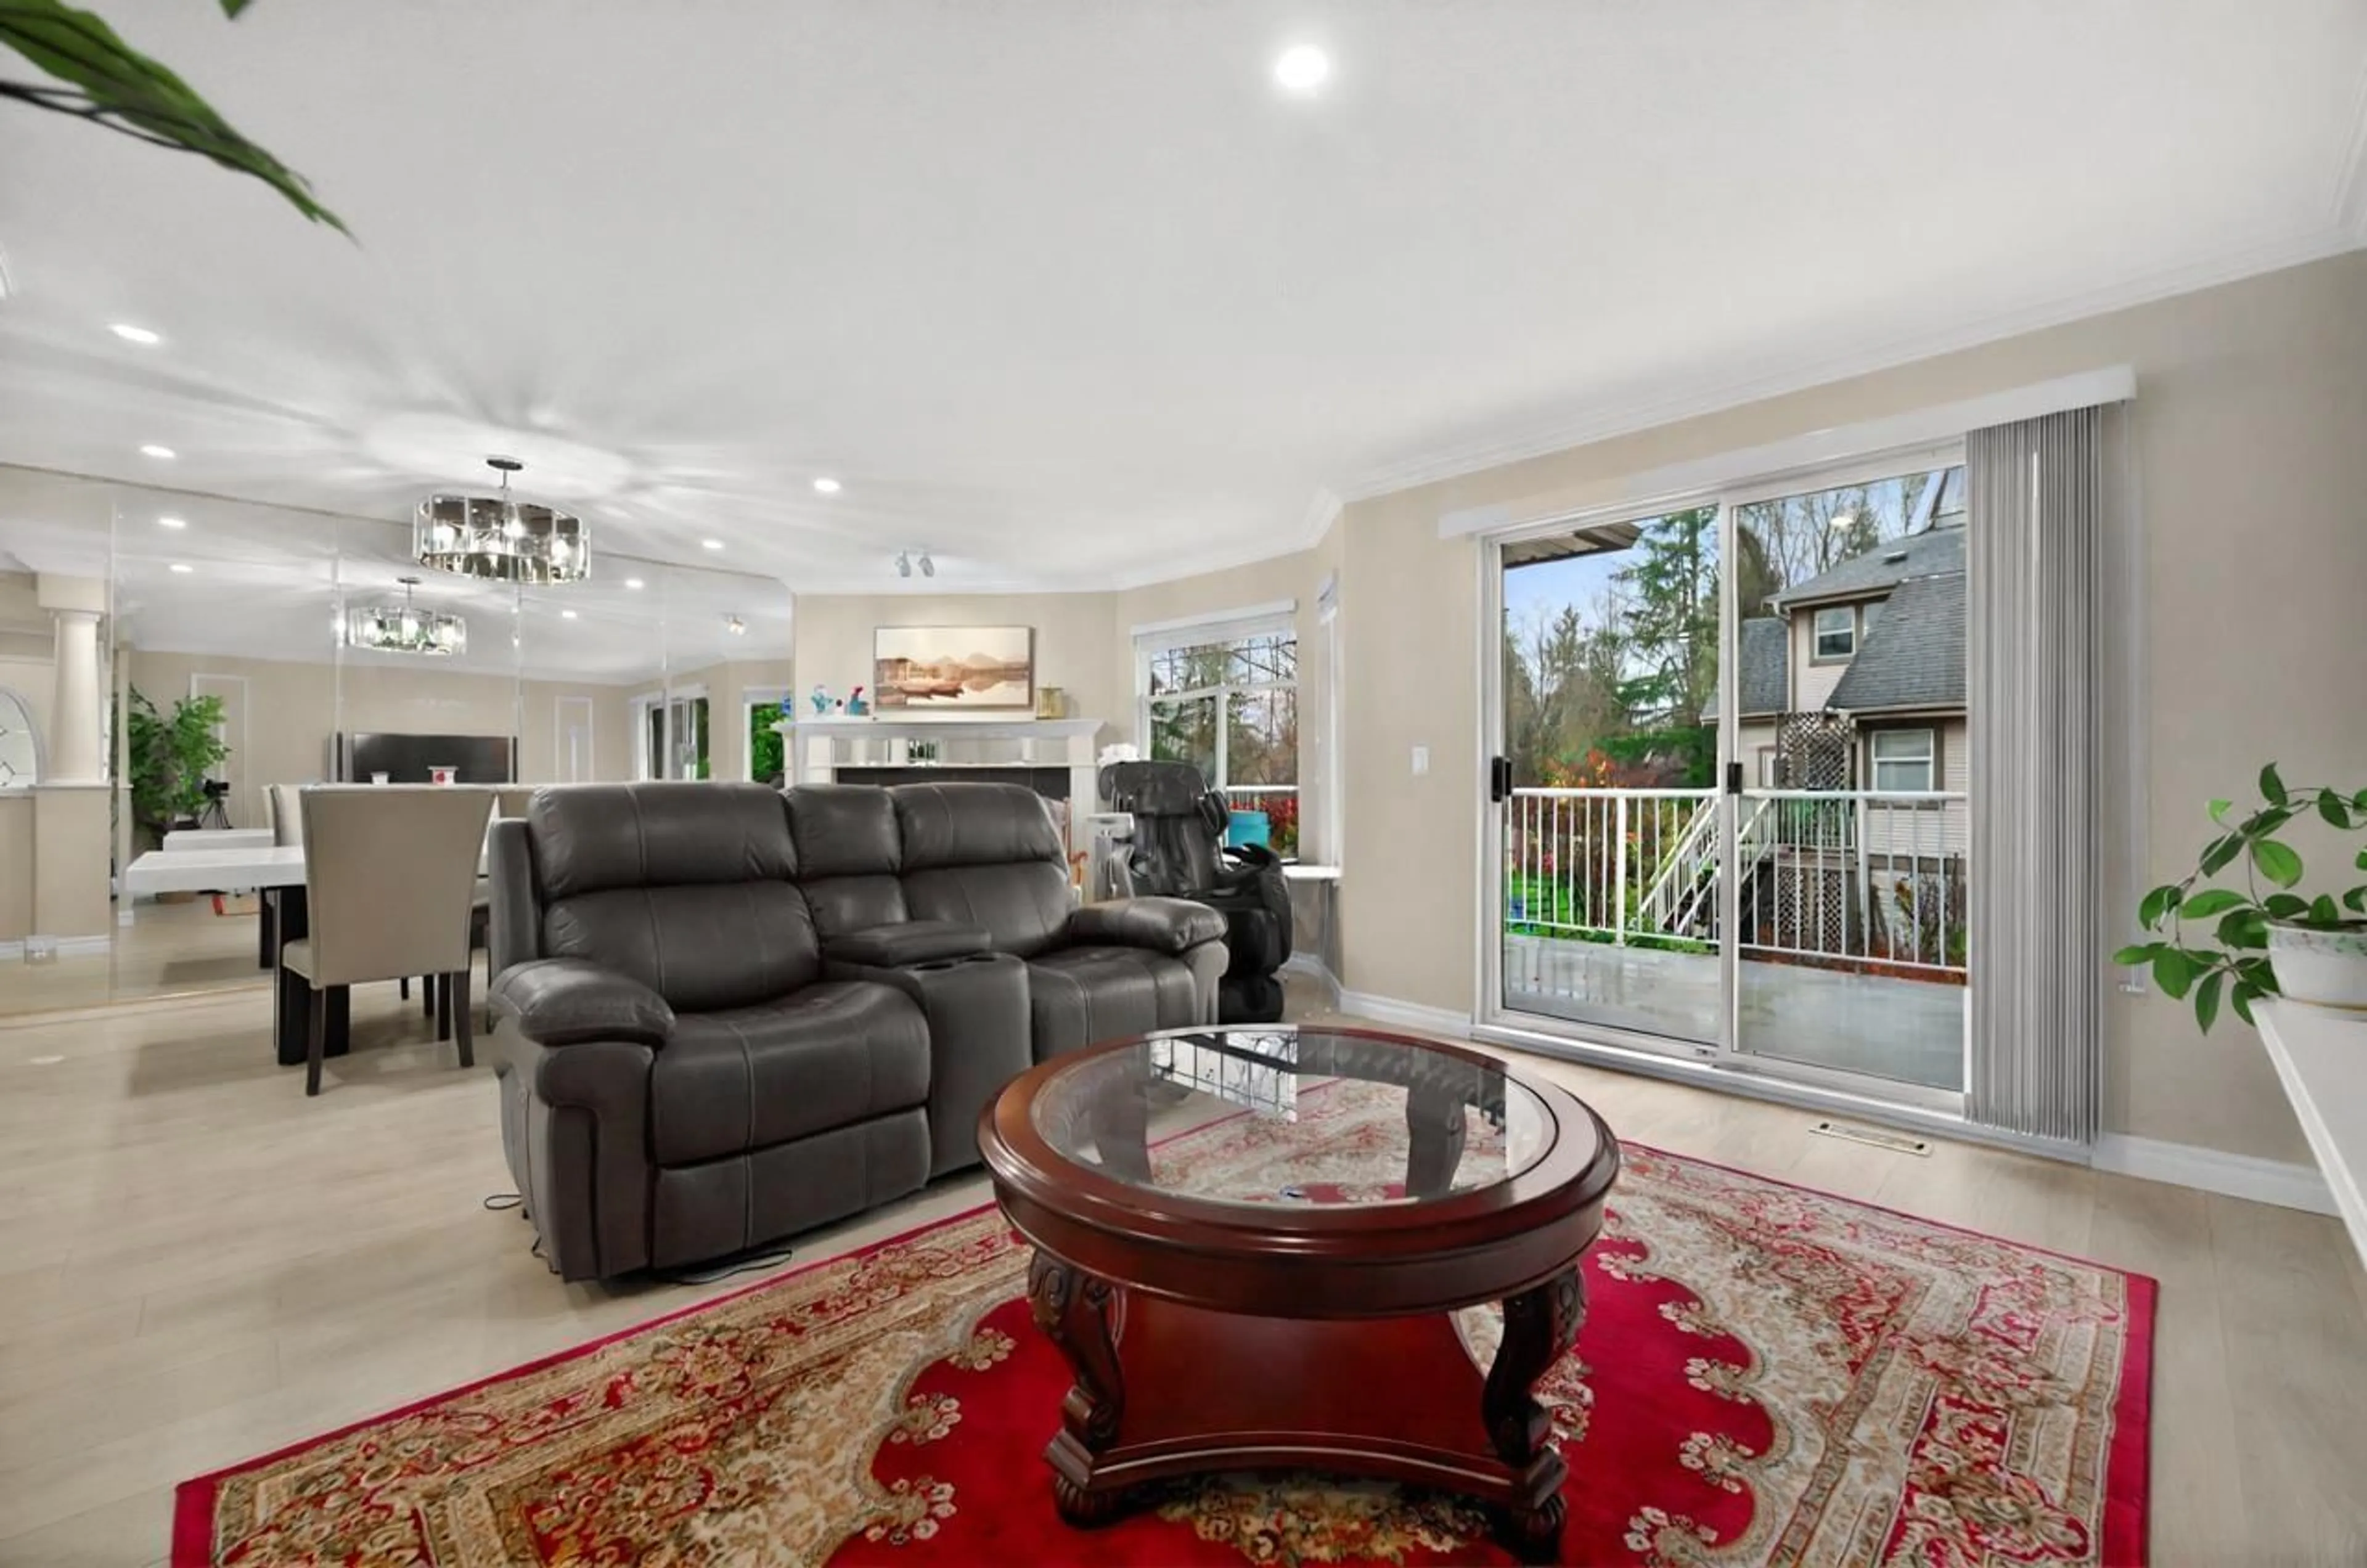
<point x="954" y="669"/>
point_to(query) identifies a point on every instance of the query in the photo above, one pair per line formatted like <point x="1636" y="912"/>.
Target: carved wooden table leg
<point x="1540" y="1325"/>
<point x="1074" y="1311"/>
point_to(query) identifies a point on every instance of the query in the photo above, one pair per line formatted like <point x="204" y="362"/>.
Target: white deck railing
<point x="1853" y="877"/>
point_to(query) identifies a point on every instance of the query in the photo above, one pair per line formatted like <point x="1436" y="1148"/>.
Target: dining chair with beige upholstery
<point x="390" y="878"/>
<point x="283" y="801"/>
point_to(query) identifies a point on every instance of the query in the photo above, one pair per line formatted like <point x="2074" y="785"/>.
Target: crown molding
<point x="1600" y="420"/>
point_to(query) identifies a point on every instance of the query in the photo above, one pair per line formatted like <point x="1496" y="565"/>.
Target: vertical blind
<point x="2037" y="494"/>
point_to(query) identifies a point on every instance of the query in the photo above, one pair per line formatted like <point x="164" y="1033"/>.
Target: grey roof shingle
<point x="1766" y="669"/>
<point x="1936" y="552"/>
<point x="1914" y="656"/>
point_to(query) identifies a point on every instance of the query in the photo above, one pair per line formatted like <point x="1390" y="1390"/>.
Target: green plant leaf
<point x="2206" y="999"/>
<point x="115" y="86"/>
<point x="2356" y="900"/>
<point x="2219" y="809"/>
<point x="2209" y="902"/>
<point x="2131" y="957"/>
<point x="2277" y="861"/>
<point x="2284" y="906"/>
<point x="2244" y="928"/>
<point x="2242" y="1000"/>
<point x="2266" y="820"/>
<point x="2161" y="902"/>
<point x="2222" y="853"/>
<point x="2173" y="970"/>
<point x="2272" y="785"/>
<point x="2334" y="809"/>
<point x="2257" y="973"/>
<point x="2360" y="862"/>
<point x="231" y="8"/>
<point x="2323" y="913"/>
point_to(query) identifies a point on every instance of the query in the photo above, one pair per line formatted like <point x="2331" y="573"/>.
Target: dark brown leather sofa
<point x="727" y="1015"/>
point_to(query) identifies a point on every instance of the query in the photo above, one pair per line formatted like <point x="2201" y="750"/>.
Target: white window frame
<point x="1818" y="633"/>
<point x="1237" y="625"/>
<point x="751" y="699"/>
<point x="1928" y="761"/>
<point x="675" y="698"/>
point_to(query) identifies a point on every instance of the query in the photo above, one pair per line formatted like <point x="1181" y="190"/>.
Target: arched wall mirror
<point x="21" y="742"/>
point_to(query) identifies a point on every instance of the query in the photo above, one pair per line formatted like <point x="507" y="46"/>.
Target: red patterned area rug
<point x="1767" y="1375"/>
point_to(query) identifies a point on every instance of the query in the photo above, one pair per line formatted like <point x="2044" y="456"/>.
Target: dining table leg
<point x="292" y="994"/>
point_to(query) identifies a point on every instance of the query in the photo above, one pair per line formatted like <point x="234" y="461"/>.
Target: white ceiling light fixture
<point x="710" y="544"/>
<point x="1301" y="70"/>
<point x="172" y="521"/>
<point x="500" y="537"/>
<point x="735" y="625"/>
<point x="634" y="582"/>
<point x="182" y="568"/>
<point x="904" y="563"/>
<point x="140" y="335"/>
<point x="928" y="566"/>
<point x="566" y="615"/>
<point x="406" y="628"/>
<point x="161" y="453"/>
<point x="828" y="486"/>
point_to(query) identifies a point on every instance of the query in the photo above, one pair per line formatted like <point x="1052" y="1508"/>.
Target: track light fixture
<point x="903" y="564"/>
<point x="904" y="560"/>
<point x="928" y="566"/>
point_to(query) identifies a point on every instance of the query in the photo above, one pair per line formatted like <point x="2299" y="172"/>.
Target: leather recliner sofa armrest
<point x="1162" y="925"/>
<point x="573" y="1001"/>
<point x="908" y="942"/>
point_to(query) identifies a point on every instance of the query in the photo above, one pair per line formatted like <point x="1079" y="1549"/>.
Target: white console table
<point x="2321" y="1055"/>
<point x="819" y="747"/>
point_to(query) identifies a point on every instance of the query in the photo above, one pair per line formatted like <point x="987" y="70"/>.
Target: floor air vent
<point x="1896" y="1142"/>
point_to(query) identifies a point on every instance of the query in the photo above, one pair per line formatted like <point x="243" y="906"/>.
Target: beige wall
<point x="16" y="862"/>
<point x="2250" y="458"/>
<point x="291" y="710"/>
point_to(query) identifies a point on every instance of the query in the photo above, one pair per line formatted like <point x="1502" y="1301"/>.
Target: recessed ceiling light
<point x="828" y="486"/>
<point x="710" y="544"/>
<point x="633" y="582"/>
<point x="172" y="521"/>
<point x="183" y="567"/>
<point x="153" y="450"/>
<point x="566" y="615"/>
<point x="1302" y="69"/>
<point x="131" y="334"/>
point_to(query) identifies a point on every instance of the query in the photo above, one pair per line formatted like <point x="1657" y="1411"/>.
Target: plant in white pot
<point x="2281" y="942"/>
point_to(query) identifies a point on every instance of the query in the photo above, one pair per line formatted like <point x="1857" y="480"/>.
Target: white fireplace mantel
<point x="819" y="748"/>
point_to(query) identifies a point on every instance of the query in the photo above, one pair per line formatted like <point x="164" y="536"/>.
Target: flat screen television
<point x="406" y="759"/>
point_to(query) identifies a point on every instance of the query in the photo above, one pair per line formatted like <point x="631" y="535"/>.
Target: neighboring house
<point x="1878" y="641"/>
<point x="1854" y="687"/>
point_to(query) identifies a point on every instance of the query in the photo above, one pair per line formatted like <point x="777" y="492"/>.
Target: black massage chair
<point x="1178" y="851"/>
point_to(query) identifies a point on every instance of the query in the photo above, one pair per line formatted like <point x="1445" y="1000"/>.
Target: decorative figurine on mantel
<point x="856" y="706"/>
<point x="820" y="700"/>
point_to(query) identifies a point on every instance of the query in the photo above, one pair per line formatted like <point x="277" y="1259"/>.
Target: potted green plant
<point x="170" y="758"/>
<point x="2281" y="942"/>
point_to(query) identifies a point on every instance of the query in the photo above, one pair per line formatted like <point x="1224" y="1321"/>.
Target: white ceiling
<point x="264" y="582"/>
<point x="1067" y="292"/>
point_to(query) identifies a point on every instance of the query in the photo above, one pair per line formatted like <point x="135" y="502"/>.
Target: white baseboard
<point x="1409" y="1015"/>
<point x="2286" y="1185"/>
<point x="1308" y="964"/>
<point x="63" y="947"/>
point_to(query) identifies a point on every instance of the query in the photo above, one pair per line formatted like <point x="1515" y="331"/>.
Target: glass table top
<point x="1319" y="1117"/>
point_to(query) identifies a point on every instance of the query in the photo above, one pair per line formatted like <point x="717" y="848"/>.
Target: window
<point x="1225" y="698"/>
<point x="675" y="750"/>
<point x="1905" y="759"/>
<point x="1836" y="632"/>
<point x="767" y="751"/>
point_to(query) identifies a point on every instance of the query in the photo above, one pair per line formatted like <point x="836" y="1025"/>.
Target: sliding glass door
<point x="1727" y="756"/>
<point x="1603" y="779"/>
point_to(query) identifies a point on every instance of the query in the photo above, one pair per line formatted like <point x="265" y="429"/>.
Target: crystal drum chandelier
<point x="403" y="628"/>
<point x="499" y="536"/>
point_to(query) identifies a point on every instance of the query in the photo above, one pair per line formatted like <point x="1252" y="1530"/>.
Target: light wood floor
<point x="199" y="1265"/>
<point x="168" y="949"/>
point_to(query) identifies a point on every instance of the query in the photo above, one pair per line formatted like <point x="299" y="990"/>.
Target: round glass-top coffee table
<point x="1278" y="1293"/>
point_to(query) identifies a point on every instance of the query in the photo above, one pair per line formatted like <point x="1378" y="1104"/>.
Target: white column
<point x="73" y="715"/>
